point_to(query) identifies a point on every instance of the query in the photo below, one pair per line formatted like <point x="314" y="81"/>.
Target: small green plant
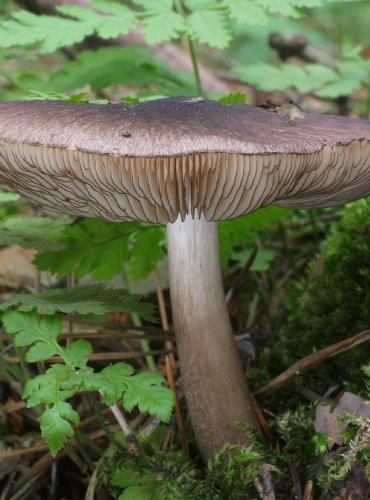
<point x="321" y="442"/>
<point x="331" y="304"/>
<point x="356" y="449"/>
<point x="60" y="382"/>
<point x="156" y="474"/>
<point x="210" y="22"/>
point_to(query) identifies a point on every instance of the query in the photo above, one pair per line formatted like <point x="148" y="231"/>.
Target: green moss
<point x="332" y="305"/>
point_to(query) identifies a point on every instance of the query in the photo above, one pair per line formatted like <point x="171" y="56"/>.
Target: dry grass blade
<point x="180" y="422"/>
<point x="312" y="360"/>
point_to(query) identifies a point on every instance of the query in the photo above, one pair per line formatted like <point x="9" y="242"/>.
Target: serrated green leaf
<point x="243" y="230"/>
<point x="93" y="247"/>
<point x="54" y="32"/>
<point x="120" y="21"/>
<point x="66" y="411"/>
<point x="115" y="373"/>
<point x="288" y="8"/>
<point x="319" y="79"/>
<point x="101" y="248"/>
<point x="115" y="378"/>
<point x="108" y="65"/>
<point x="146" y="252"/>
<point x="97" y="382"/>
<point x="40" y="351"/>
<point x="83" y="300"/>
<point x="210" y="27"/>
<point x="246" y="12"/>
<point x="55" y="429"/>
<point x="51" y="32"/>
<point x="157" y="6"/>
<point x="39" y="233"/>
<point x="162" y="27"/>
<point x="77" y="352"/>
<point x="264" y="76"/>
<point x="200" y="4"/>
<point x="28" y="328"/>
<point x="145" y="391"/>
<point x="47" y="388"/>
<point x="338" y="88"/>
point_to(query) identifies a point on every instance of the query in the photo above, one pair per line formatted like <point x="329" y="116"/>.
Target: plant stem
<point x="193" y="56"/>
<point x="95" y="404"/>
<point x="25" y="370"/>
<point x="144" y="344"/>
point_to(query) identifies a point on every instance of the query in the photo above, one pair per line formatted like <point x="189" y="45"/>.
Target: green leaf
<point x="262" y="262"/>
<point x="55" y="429"/>
<point x="108" y="65"/>
<point x="35" y="95"/>
<point x="243" y="230"/>
<point x="323" y="81"/>
<point x="40" y="233"/>
<point x="77" y="352"/>
<point x="233" y="98"/>
<point x="210" y="27"/>
<point x="200" y="4"/>
<point x="83" y="300"/>
<point x="269" y="78"/>
<point x="162" y="27"/>
<point x="116" y="376"/>
<point x="40" y="351"/>
<point x="338" y="88"/>
<point x="51" y="32"/>
<point x="93" y="247"/>
<point x="225" y="235"/>
<point x="150" y="490"/>
<point x="54" y="32"/>
<point x="125" y="476"/>
<point x="121" y="19"/>
<point x="160" y="23"/>
<point x="100" y="248"/>
<point x="246" y="12"/>
<point x="145" y="391"/>
<point x="47" y="388"/>
<point x="146" y="252"/>
<point x="28" y="328"/>
<point x="8" y="197"/>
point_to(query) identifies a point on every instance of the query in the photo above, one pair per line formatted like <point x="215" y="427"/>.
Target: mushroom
<point x="186" y="163"/>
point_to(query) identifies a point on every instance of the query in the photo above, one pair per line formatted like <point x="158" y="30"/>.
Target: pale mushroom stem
<point x="216" y="392"/>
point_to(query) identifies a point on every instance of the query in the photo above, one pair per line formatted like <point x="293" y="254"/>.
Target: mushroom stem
<point x="213" y="380"/>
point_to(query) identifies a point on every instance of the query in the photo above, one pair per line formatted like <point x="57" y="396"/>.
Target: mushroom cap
<point x="160" y="159"/>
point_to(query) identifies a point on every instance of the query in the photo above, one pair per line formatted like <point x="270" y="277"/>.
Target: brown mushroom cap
<point x="160" y="159"/>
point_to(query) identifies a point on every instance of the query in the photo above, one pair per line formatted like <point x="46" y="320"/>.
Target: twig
<point x="307" y="495"/>
<point x="104" y="425"/>
<point x="180" y="422"/>
<point x="106" y="356"/>
<point x="264" y="483"/>
<point x="297" y="489"/>
<point x="163" y="312"/>
<point x="312" y="360"/>
<point x="90" y="491"/>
